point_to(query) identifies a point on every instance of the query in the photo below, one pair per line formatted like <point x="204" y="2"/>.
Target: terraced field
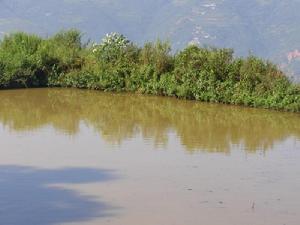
<point x="268" y="28"/>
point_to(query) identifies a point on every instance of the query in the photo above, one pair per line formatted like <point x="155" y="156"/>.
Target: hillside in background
<point x="267" y="28"/>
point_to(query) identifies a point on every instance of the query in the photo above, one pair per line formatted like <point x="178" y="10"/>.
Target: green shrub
<point x="158" y="56"/>
<point x="116" y="64"/>
<point x="20" y="66"/>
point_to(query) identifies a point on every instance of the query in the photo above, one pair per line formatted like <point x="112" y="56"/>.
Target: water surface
<point x="86" y="157"/>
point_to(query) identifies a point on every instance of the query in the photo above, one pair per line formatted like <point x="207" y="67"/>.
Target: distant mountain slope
<point x="268" y="28"/>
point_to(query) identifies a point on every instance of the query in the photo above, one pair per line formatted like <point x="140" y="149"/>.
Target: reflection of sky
<point x="27" y="197"/>
<point x="156" y="179"/>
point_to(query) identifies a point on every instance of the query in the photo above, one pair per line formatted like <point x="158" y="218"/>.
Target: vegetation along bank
<point x="116" y="64"/>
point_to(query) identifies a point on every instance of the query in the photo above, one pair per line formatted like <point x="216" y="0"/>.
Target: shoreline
<point x="118" y="65"/>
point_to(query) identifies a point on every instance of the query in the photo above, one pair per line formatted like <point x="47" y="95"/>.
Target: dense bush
<point x="116" y="64"/>
<point x="20" y="65"/>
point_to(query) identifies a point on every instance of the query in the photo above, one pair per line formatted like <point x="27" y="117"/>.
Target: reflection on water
<point x="27" y="196"/>
<point x="200" y="126"/>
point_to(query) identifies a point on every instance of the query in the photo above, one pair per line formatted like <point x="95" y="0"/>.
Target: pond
<point x="73" y="156"/>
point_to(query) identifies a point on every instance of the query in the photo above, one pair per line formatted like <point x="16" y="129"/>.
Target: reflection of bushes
<point x="116" y="64"/>
<point x="117" y="117"/>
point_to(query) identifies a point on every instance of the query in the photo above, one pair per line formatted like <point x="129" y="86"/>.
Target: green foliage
<point x="61" y="54"/>
<point x="111" y="48"/>
<point x="20" y="66"/>
<point x="157" y="55"/>
<point x="29" y="61"/>
<point x="116" y="64"/>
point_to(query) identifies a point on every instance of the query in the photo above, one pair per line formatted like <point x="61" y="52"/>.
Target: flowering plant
<point x="111" y="46"/>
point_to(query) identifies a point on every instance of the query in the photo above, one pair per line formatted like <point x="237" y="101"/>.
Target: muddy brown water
<point x="87" y="157"/>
